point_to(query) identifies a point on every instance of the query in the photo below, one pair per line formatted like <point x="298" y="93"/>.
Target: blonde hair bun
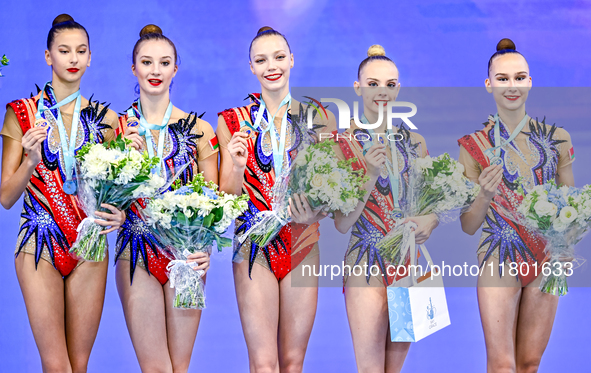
<point x="376" y="50"/>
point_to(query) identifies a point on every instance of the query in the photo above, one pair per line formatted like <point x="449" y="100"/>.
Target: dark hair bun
<point x="62" y="18"/>
<point x="265" y="28"/>
<point x="150" y="29"/>
<point x="505" y="44"/>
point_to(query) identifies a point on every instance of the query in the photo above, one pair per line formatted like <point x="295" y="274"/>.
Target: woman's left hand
<point x="301" y="212"/>
<point x="201" y="258"/>
<point x="425" y="225"/>
<point x="113" y="220"/>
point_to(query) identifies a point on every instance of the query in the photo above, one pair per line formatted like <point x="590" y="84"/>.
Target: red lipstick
<point x="73" y="70"/>
<point x="273" y="77"/>
<point x="155" y="82"/>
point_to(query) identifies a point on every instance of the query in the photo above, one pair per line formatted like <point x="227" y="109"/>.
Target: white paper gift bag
<point x="417" y="307"/>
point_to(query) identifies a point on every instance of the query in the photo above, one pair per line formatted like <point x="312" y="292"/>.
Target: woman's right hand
<point x="489" y="181"/>
<point x="375" y="159"/>
<point x="133" y="133"/>
<point x="238" y="149"/>
<point x="201" y="261"/>
<point x="31" y="143"/>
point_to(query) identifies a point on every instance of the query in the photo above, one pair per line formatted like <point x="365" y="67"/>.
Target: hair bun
<point x="376" y="50"/>
<point x="62" y="18"/>
<point x="505" y="44"/>
<point x="264" y="28"/>
<point x="150" y="29"/>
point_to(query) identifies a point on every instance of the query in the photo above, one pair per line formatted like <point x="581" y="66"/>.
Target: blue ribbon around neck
<point x="68" y="147"/>
<point x="278" y="151"/>
<point x="145" y="130"/>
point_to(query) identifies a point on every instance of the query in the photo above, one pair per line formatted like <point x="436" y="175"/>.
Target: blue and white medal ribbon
<point x="391" y="166"/>
<point x="68" y="147"/>
<point x="494" y="153"/>
<point x="145" y="130"/>
<point x="278" y="151"/>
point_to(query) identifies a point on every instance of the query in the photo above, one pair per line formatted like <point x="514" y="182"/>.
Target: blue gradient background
<point x="434" y="43"/>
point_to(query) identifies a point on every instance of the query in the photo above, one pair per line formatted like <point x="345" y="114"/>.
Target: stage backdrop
<point x="434" y="43"/>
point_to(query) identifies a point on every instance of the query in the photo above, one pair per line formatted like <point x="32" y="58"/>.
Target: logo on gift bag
<point x="431" y="311"/>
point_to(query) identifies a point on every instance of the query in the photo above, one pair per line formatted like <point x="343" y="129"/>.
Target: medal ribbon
<point x="278" y="152"/>
<point x="68" y="149"/>
<point x="391" y="166"/>
<point x="145" y="130"/>
<point x="499" y="143"/>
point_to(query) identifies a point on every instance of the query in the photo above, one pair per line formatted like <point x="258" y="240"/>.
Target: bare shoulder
<point x="417" y="138"/>
<point x="112" y="118"/>
<point x="561" y="133"/>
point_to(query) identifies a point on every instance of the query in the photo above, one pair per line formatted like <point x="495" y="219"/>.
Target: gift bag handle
<point x="414" y="248"/>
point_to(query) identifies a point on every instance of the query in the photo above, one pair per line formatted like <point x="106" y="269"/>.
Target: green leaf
<point x="223" y="242"/>
<point x="218" y="213"/>
<point x="208" y="220"/>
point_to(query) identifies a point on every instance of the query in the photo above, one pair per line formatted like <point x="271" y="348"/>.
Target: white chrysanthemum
<point x="135" y="156"/>
<point x="156" y="181"/>
<point x="127" y="173"/>
<point x="111" y="155"/>
<point x="424" y="163"/>
<point x="95" y="168"/>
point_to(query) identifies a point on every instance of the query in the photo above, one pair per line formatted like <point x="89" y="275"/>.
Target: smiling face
<point x="69" y="55"/>
<point x="378" y="84"/>
<point x="271" y="61"/>
<point x="154" y="66"/>
<point x="509" y="81"/>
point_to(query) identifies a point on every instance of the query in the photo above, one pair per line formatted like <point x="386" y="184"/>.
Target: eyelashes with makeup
<point x="261" y="60"/>
<point x="65" y="52"/>
<point x="390" y="85"/>
<point x="147" y="63"/>
<point x="519" y="79"/>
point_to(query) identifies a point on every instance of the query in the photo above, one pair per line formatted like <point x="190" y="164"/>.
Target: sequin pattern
<point x="535" y="165"/>
<point x="379" y="215"/>
<point x="135" y="242"/>
<point x="50" y="217"/>
<point x="280" y="255"/>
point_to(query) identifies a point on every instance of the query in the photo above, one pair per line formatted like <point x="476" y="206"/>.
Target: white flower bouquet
<point x="436" y="185"/>
<point x="561" y="216"/>
<point x="328" y="183"/>
<point x="113" y="173"/>
<point x="189" y="219"/>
